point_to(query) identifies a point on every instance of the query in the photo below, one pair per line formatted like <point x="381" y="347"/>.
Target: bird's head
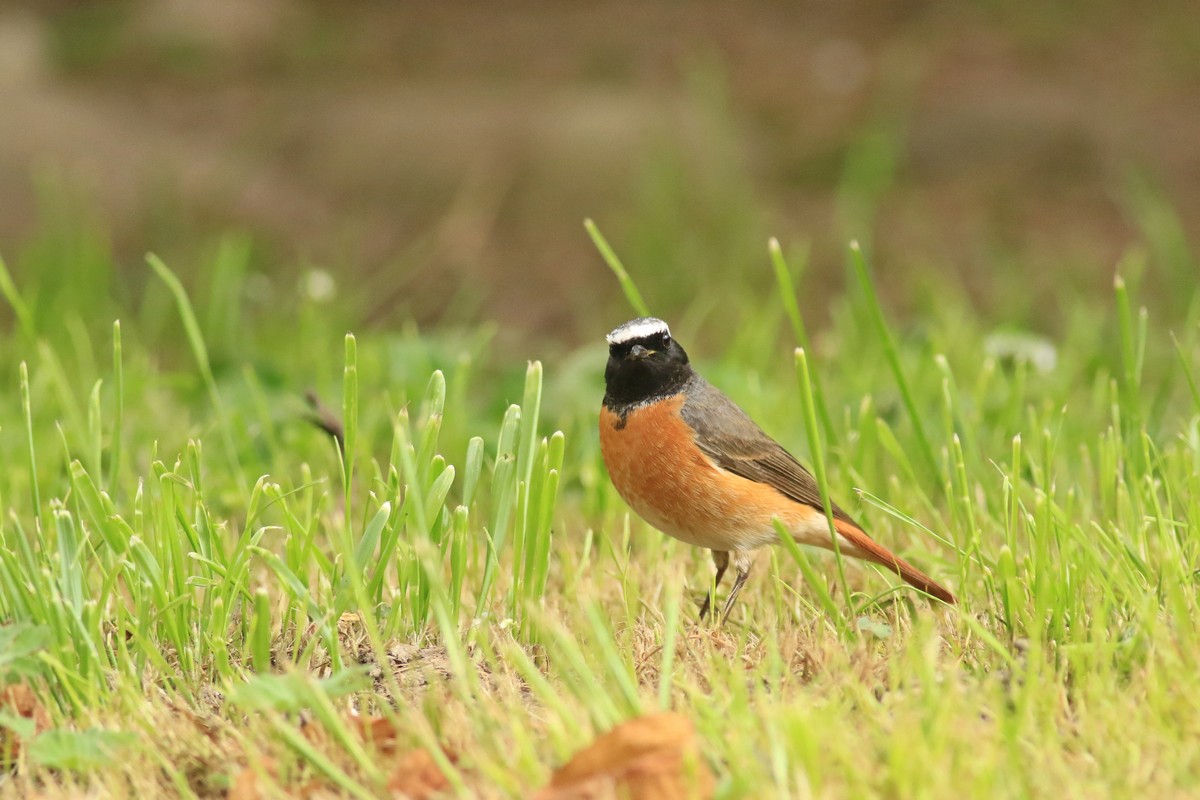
<point x="644" y="362"/>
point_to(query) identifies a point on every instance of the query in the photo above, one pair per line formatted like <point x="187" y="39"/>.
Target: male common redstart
<point x="690" y="462"/>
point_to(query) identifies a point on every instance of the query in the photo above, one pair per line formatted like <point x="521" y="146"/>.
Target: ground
<point x="979" y="327"/>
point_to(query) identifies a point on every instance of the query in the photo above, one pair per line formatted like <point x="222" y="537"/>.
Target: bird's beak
<point x="637" y="352"/>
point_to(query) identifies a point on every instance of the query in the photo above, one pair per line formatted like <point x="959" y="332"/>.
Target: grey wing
<point x="731" y="439"/>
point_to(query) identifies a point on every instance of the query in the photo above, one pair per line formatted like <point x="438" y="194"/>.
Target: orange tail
<point x="869" y="550"/>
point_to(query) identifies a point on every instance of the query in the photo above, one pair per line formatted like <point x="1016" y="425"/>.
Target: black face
<point x="643" y="368"/>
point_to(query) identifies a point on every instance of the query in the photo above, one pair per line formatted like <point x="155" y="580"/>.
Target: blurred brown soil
<point x="447" y="153"/>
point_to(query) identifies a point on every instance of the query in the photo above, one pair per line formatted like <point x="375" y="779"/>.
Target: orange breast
<point x="657" y="468"/>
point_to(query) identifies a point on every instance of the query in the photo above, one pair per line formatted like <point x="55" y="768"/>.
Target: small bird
<point x="691" y="463"/>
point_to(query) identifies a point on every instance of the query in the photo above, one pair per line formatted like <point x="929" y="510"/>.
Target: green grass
<point x="192" y="576"/>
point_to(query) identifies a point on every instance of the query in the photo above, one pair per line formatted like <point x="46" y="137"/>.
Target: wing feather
<point x="728" y="436"/>
<point x="734" y="442"/>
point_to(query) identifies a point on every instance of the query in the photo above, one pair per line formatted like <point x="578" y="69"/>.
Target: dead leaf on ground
<point x="417" y="776"/>
<point x="379" y="731"/>
<point x="651" y="758"/>
<point x="245" y="785"/>
<point x="19" y="701"/>
<point x="414" y="776"/>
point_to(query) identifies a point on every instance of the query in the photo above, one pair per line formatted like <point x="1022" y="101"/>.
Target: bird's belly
<point x="655" y="465"/>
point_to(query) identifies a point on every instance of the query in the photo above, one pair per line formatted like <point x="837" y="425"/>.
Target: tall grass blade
<point x="610" y="257"/>
<point x="9" y="289"/>
<point x="893" y="358"/>
<point x="200" y="351"/>
<point x="818" y="459"/>
<point x="30" y="450"/>
<point x="787" y="292"/>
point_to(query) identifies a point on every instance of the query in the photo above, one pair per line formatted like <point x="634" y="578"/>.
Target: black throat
<point x="629" y="384"/>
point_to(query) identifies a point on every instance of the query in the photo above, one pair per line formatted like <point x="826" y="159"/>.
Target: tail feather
<point x="868" y="549"/>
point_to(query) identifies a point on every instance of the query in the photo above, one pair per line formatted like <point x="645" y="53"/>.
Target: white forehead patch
<point x="638" y="329"/>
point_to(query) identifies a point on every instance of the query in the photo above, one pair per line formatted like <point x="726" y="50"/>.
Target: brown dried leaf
<point x="653" y="758"/>
<point x="245" y="785"/>
<point x="379" y="731"/>
<point x="417" y="776"/>
<point x="20" y="701"/>
<point x="312" y="731"/>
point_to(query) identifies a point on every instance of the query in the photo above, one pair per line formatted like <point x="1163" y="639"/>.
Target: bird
<point x="690" y="462"/>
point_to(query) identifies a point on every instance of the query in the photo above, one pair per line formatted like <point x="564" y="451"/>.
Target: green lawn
<point x="192" y="579"/>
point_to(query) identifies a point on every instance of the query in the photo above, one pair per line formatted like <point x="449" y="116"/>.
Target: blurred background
<point x="435" y="161"/>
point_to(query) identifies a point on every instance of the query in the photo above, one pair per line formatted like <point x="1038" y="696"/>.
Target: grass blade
<point x="200" y="351"/>
<point x="818" y="459"/>
<point x="610" y="257"/>
<point x="787" y="291"/>
<point x="888" y="345"/>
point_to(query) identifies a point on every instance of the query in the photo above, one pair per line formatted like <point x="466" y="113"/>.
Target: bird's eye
<point x="666" y="340"/>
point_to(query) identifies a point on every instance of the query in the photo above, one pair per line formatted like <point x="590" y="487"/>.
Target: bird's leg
<point x="721" y="560"/>
<point x="742" y="564"/>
